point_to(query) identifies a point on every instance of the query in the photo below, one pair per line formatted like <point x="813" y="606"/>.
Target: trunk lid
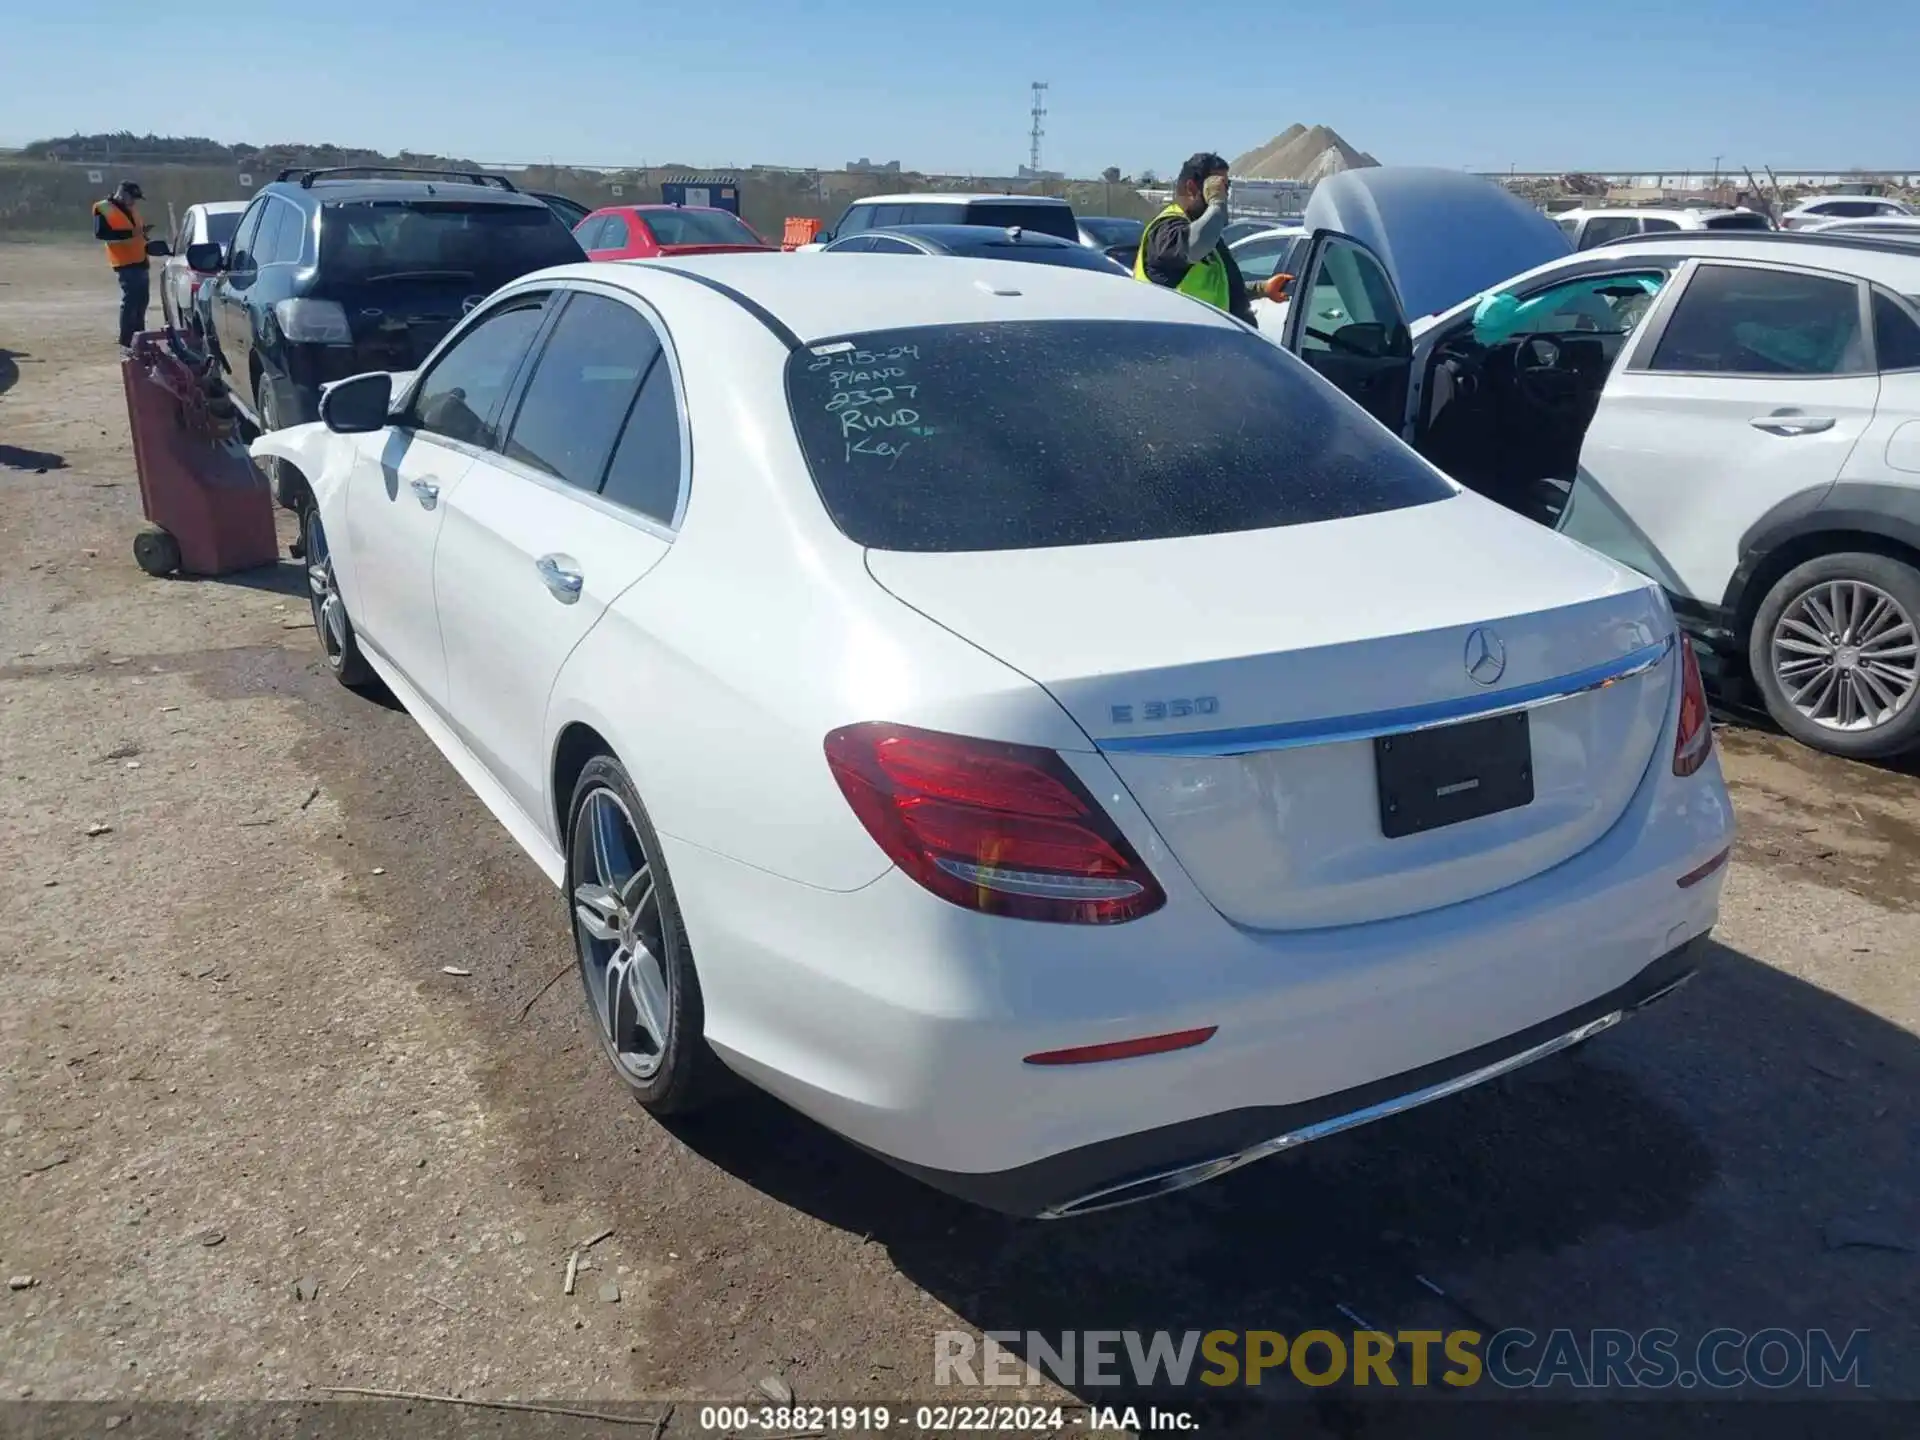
<point x="1237" y="684"/>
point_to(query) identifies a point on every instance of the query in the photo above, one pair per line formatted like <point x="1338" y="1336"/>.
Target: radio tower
<point x="1039" y="125"/>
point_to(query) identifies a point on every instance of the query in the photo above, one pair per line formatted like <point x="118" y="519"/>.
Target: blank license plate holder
<point x="1430" y="779"/>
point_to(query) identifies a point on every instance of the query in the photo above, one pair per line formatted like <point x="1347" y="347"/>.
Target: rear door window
<point x="1896" y="336"/>
<point x="1655" y="224"/>
<point x="267" y="247"/>
<point x="582" y="385"/>
<point x="644" y="474"/>
<point x="1027" y="434"/>
<point x="1742" y="320"/>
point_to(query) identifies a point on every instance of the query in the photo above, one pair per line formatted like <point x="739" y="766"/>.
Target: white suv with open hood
<point x="1736" y="414"/>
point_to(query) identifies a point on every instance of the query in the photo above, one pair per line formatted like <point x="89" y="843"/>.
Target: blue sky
<point x="1483" y="84"/>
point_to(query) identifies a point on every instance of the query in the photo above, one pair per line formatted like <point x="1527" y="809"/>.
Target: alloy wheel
<point x="329" y="610"/>
<point x="1844" y="653"/>
<point x="617" y="923"/>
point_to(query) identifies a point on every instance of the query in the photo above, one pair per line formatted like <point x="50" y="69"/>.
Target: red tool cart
<point x="211" y="509"/>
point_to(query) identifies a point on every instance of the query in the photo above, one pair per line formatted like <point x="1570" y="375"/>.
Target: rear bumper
<point x="904" y="1023"/>
<point x="1157" y="1162"/>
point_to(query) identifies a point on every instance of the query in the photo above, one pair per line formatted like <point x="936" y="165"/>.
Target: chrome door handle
<point x="1792" y="424"/>
<point x="426" y="492"/>
<point x="559" y="576"/>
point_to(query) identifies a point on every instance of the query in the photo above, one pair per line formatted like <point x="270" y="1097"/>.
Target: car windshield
<point x="221" y="225"/>
<point x="1110" y="230"/>
<point x="1026" y="434"/>
<point x="375" y="239"/>
<point x="698" y="227"/>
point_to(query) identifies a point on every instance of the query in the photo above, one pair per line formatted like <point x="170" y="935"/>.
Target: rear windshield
<point x="1738" y="222"/>
<point x="1106" y="230"/>
<point x="221" y="225"/>
<point x="1047" y="219"/>
<point x="454" y="239"/>
<point x="698" y="227"/>
<point x="1020" y="435"/>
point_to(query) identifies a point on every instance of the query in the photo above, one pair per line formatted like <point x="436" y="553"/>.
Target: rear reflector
<point x="1003" y="829"/>
<point x="1125" y="1049"/>
<point x="1698" y="873"/>
<point x="1693" y="740"/>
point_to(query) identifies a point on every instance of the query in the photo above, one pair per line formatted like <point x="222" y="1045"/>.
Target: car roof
<point x="831" y="294"/>
<point x="1642" y="210"/>
<point x="983" y="196"/>
<point x="960" y="237"/>
<point x="1891" y="261"/>
<point x="220" y="207"/>
<point x="327" y="192"/>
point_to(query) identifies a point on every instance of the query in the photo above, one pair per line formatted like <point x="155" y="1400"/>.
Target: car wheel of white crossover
<point x="636" y="967"/>
<point x="1835" y="652"/>
<point x="330" y="619"/>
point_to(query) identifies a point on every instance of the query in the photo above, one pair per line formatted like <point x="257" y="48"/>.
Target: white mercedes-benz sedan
<point x="1032" y="725"/>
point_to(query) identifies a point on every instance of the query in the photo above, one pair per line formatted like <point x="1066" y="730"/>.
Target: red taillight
<point x="1693" y="741"/>
<point x="1004" y="829"/>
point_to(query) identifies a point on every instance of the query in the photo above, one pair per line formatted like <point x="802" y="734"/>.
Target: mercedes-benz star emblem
<point x="1486" y="657"/>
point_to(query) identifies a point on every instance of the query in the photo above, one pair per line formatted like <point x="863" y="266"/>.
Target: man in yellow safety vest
<point x="1181" y="247"/>
<point x="117" y="225"/>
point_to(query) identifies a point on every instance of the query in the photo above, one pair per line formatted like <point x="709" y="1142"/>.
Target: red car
<point x="642" y="232"/>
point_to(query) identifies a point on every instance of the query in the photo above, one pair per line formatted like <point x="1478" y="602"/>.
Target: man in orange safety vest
<point x="117" y="225"/>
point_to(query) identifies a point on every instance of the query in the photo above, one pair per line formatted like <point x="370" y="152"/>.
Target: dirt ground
<point x="256" y="1141"/>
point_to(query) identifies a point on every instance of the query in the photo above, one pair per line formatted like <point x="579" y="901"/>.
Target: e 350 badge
<point x="1166" y="709"/>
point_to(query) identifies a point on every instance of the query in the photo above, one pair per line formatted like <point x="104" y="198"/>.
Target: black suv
<point x="336" y="272"/>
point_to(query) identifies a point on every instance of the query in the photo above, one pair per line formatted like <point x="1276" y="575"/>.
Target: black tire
<point x="340" y="649"/>
<point x="156" y="552"/>
<point x="684" y="1073"/>
<point x="1895" y="580"/>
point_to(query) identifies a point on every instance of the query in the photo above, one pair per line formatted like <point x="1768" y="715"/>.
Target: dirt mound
<point x="1301" y="153"/>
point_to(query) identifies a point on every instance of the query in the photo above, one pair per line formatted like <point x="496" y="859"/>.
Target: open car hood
<point x="1444" y="236"/>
